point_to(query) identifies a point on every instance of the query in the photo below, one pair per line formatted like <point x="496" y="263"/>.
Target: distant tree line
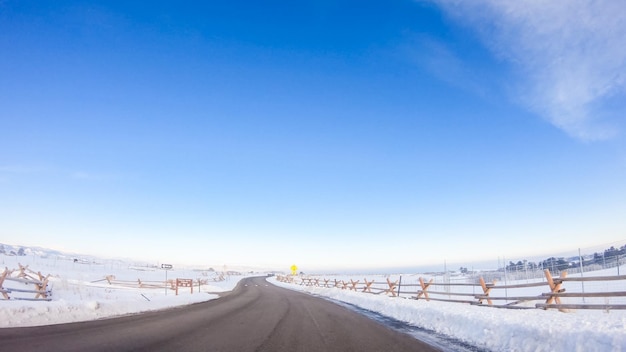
<point x="611" y="256"/>
<point x="20" y="252"/>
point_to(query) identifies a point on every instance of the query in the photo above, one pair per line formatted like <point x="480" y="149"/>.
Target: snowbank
<point x="80" y="292"/>
<point x="491" y="328"/>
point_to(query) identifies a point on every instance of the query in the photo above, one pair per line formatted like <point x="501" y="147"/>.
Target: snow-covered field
<point x="80" y="292"/>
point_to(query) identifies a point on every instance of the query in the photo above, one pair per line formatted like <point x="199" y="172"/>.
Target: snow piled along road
<point x="494" y="329"/>
<point x="80" y="291"/>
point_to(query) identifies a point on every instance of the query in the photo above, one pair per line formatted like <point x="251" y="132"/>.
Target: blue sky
<point x="333" y="135"/>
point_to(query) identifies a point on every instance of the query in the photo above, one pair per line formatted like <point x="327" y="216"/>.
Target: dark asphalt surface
<point x="255" y="316"/>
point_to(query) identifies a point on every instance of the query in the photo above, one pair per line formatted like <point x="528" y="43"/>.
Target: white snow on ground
<point x="80" y="293"/>
<point x="493" y="329"/>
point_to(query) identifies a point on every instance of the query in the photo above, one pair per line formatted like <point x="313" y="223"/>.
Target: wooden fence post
<point x="368" y="286"/>
<point x="486" y="291"/>
<point x="22" y="270"/>
<point x="2" y="277"/>
<point x="424" y="291"/>
<point x="555" y="287"/>
<point x="42" y="287"/>
<point x="392" y="287"/>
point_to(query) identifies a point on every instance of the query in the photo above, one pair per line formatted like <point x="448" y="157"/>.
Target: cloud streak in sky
<point x="571" y="57"/>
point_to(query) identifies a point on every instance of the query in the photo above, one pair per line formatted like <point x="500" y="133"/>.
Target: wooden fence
<point x="169" y="284"/>
<point x="482" y="293"/>
<point x="13" y="282"/>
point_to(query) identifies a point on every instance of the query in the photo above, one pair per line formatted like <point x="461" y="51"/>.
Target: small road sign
<point x="166" y="266"/>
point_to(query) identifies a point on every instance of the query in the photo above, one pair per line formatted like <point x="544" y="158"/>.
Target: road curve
<point x="256" y="316"/>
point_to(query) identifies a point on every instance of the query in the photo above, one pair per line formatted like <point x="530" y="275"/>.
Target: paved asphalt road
<point x="256" y="316"/>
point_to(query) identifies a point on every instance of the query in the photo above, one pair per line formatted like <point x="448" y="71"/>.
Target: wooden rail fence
<point x="489" y="294"/>
<point x="169" y="284"/>
<point x="25" y="276"/>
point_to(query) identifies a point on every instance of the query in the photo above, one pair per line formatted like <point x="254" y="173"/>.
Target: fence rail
<point x="488" y="294"/>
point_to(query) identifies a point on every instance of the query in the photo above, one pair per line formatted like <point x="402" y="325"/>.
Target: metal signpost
<point x="166" y="267"/>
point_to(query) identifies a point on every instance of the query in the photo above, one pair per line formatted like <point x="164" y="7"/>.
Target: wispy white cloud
<point x="571" y="56"/>
<point x="20" y="169"/>
<point x="81" y="175"/>
<point x="26" y="170"/>
<point x="442" y="62"/>
<point x="90" y="176"/>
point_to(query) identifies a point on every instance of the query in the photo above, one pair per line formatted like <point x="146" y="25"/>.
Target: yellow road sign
<point x="294" y="270"/>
